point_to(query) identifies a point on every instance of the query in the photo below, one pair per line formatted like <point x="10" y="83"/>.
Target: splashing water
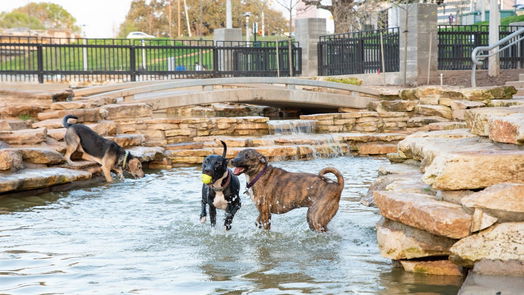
<point x="143" y="236"/>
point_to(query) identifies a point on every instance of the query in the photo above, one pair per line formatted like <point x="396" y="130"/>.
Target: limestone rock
<point x="504" y="200"/>
<point x="184" y="146"/>
<point x="376" y="148"/>
<point x="475" y="169"/>
<point x="10" y="160"/>
<point x="446" y="126"/>
<point x="481" y="220"/>
<point x="146" y="154"/>
<point x="121" y="111"/>
<point x="399" y="241"/>
<point x="434" y="267"/>
<point x="57" y="134"/>
<point x="104" y="127"/>
<point x="68" y="105"/>
<point x="84" y="115"/>
<point x="24" y="137"/>
<point x="423" y="121"/>
<point x="434" y="110"/>
<point x="478" y="119"/>
<point x="508" y="129"/>
<point x="489" y="93"/>
<point x="127" y="140"/>
<point x="453" y="196"/>
<point x="49" y="124"/>
<point x="28" y="179"/>
<point x="41" y="155"/>
<point x="424" y="212"/>
<point x="503" y="242"/>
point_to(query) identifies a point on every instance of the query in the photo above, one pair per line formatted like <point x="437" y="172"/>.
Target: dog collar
<point x="257" y="177"/>
<point x="228" y="180"/>
<point x="125" y="160"/>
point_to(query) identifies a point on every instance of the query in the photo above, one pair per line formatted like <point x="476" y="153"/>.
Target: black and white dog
<point x="220" y="189"/>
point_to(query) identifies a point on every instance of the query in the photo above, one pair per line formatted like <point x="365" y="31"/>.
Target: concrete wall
<point x="420" y="53"/>
<point x="307" y="31"/>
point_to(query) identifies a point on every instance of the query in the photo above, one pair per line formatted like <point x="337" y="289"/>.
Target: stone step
<point x="502" y="124"/>
<point x="434" y="110"/>
<point x="433" y="267"/>
<point x="14" y="124"/>
<point x="504" y="201"/>
<point x="424" y="212"/>
<point x="499" y="246"/>
<point x="459" y="160"/>
<point x="84" y="115"/>
<point x="37" y="155"/>
<point x="69" y="105"/>
<point x="24" y="136"/>
<point x="507" y="102"/>
<point x="399" y="241"/>
<point x="274" y="153"/>
<point x="128" y="140"/>
<point x="28" y="179"/>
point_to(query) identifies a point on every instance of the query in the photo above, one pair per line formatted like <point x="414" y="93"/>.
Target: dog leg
<point x="203" y="212"/>
<point x="264" y="218"/>
<point x="107" y="173"/>
<point x="230" y="213"/>
<point x="213" y="214"/>
<point x="70" y="149"/>
<point x="120" y="173"/>
<point x="321" y="213"/>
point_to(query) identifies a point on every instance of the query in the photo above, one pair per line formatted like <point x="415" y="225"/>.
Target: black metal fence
<point x="457" y="42"/>
<point x="359" y="52"/>
<point x="57" y="59"/>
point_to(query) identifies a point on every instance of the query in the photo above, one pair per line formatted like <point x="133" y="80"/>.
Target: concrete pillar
<point x="307" y="32"/>
<point x="494" y="23"/>
<point x="225" y="59"/>
<point x="418" y="26"/>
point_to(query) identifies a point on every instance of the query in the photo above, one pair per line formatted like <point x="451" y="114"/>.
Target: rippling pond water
<point x="144" y="237"/>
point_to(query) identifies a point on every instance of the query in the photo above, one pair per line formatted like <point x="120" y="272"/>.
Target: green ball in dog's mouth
<point x="206" y="179"/>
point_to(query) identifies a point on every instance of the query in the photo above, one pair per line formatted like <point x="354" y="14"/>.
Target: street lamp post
<point x="247" y="15"/>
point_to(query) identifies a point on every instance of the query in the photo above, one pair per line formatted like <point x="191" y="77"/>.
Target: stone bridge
<point x="279" y="92"/>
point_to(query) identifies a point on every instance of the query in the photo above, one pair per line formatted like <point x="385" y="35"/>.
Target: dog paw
<point x="227" y="227"/>
<point x="203" y="219"/>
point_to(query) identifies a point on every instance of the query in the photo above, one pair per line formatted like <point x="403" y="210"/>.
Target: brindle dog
<point x="95" y="148"/>
<point x="275" y="190"/>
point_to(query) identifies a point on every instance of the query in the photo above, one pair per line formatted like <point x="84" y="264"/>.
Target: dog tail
<point x="340" y="178"/>
<point x="225" y="149"/>
<point x="67" y="124"/>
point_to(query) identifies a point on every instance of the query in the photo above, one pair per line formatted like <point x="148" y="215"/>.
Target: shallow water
<point x="143" y="237"/>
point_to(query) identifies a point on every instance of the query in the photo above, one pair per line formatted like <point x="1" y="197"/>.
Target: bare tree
<point x="290" y="6"/>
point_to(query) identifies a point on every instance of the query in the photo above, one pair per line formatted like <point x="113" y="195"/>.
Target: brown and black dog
<point x="275" y="190"/>
<point x="95" y="148"/>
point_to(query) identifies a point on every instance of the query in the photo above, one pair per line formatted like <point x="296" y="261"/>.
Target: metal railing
<point x="69" y="59"/>
<point x="477" y="57"/>
<point x="359" y="52"/>
<point x="456" y="42"/>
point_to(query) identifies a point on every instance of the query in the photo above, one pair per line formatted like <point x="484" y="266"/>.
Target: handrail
<point x="475" y="53"/>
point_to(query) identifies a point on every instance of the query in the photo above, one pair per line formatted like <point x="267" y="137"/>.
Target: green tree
<point x="50" y="15"/>
<point x="159" y="17"/>
<point x="20" y="20"/>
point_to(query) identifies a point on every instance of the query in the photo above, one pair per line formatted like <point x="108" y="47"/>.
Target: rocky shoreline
<point x="451" y="199"/>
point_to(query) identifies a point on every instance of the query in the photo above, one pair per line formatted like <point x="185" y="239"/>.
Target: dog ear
<point x="262" y="159"/>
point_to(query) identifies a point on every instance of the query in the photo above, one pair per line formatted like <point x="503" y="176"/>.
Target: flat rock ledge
<point x="28" y="179"/>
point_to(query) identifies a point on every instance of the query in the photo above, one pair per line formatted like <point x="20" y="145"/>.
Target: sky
<point x="99" y="18"/>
